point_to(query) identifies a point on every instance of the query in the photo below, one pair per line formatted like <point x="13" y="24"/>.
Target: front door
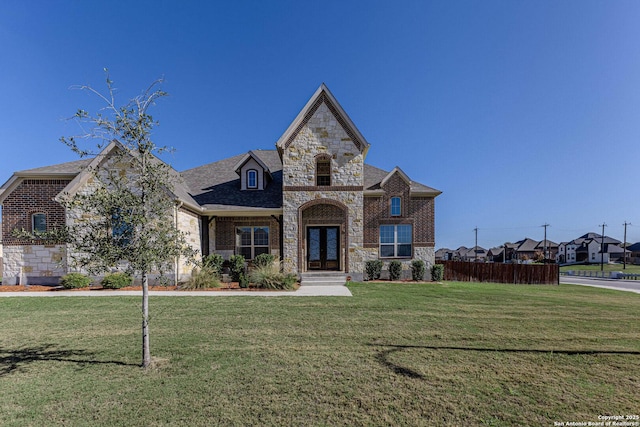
<point x="323" y="248"/>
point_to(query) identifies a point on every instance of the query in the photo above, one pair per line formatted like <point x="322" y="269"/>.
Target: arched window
<point x="39" y="222"/>
<point x="323" y="170"/>
<point x="396" y="206"/>
<point x="252" y="178"/>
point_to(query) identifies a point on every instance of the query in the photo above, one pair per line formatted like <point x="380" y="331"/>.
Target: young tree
<point x="123" y="216"/>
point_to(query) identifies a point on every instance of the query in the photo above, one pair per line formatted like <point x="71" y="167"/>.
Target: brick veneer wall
<point x="32" y="196"/>
<point x="418" y="211"/>
<point x="225" y="231"/>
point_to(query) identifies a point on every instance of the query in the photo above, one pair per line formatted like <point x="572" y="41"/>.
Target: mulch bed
<point x="233" y="286"/>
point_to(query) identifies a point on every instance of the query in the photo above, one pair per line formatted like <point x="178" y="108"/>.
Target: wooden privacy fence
<point x="524" y="274"/>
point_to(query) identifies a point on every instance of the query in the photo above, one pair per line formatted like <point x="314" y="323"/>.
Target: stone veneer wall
<point x="322" y="134"/>
<point x="189" y="223"/>
<point x="425" y="254"/>
<point x="33" y="264"/>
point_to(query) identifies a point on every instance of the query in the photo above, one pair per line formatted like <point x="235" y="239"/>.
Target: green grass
<point x="633" y="269"/>
<point x="393" y="354"/>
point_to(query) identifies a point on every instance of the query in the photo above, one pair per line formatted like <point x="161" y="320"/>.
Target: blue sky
<point x="521" y="112"/>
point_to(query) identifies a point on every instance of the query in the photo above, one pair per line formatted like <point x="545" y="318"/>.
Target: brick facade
<point x="225" y="231"/>
<point x="30" y="197"/>
<point x="418" y="211"/>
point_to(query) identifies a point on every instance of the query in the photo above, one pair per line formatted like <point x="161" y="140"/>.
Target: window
<point x="252" y="178"/>
<point x="323" y="171"/>
<point x="39" y="222"/>
<point x="121" y="229"/>
<point x="396" y="241"/>
<point x="396" y="206"/>
<point x="252" y="241"/>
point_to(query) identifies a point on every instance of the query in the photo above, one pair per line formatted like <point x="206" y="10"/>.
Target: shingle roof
<point x="216" y="185"/>
<point x="373" y="176"/>
<point x="68" y="168"/>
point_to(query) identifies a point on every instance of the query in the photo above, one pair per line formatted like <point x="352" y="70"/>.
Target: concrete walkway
<point x="303" y="291"/>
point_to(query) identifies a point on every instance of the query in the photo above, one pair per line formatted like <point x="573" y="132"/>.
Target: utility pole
<point x="602" y="248"/>
<point x="475" y="248"/>
<point x="624" y="247"/>
<point x="545" y="242"/>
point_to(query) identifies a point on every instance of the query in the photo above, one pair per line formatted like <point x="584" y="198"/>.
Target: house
<point x="633" y="253"/>
<point x="444" y="254"/>
<point x="474" y="254"/>
<point x="496" y="254"/>
<point x="588" y="249"/>
<point x="526" y="249"/>
<point x="312" y="201"/>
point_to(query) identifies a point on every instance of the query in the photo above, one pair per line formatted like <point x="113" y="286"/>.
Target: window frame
<point x="33" y="222"/>
<point x="252" y="246"/>
<point x="392" y="212"/>
<point x="253" y="172"/>
<point x="396" y="244"/>
<point x="323" y="160"/>
<point x="121" y="230"/>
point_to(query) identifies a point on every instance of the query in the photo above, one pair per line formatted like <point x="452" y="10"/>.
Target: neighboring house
<point x="496" y="254"/>
<point x="473" y="254"/>
<point x="548" y="248"/>
<point x="444" y="254"/>
<point x="312" y="201"/>
<point x="588" y="249"/>
<point x="525" y="249"/>
<point x="634" y="253"/>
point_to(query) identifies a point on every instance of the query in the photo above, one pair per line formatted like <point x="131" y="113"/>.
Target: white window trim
<point x="249" y="186"/>
<point x="391" y="205"/>
<point x="253" y="246"/>
<point x="395" y="243"/>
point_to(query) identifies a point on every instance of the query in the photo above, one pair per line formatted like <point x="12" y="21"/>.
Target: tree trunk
<point x="146" y="353"/>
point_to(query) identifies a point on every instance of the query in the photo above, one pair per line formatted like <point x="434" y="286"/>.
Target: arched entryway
<point x="323" y="238"/>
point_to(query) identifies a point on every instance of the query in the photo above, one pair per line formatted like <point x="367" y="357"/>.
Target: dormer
<point x="254" y="174"/>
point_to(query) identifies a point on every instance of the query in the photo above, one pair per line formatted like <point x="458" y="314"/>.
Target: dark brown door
<point x="323" y="248"/>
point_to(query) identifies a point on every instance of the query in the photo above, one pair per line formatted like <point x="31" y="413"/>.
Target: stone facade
<point x="33" y="264"/>
<point x="189" y="223"/>
<point x="322" y="135"/>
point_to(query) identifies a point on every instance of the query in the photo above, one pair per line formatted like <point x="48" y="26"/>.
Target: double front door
<point x="323" y="248"/>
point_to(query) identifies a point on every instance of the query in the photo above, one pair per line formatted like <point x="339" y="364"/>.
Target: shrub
<point x="214" y="262"/>
<point x="395" y="270"/>
<point x="417" y="269"/>
<point x="75" y="281"/>
<point x="437" y="272"/>
<point x="236" y="265"/>
<point x="264" y="260"/>
<point x="204" y="278"/>
<point x="243" y="282"/>
<point x="116" y="281"/>
<point x="270" y="277"/>
<point x="373" y="269"/>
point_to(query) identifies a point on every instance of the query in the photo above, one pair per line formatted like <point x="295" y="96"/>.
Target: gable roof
<point x="374" y="176"/>
<point x="251" y="155"/>
<point x="634" y="248"/>
<point x="400" y="173"/>
<point x="178" y="189"/>
<point x="67" y="170"/>
<point x="526" y="245"/>
<point x="322" y="95"/>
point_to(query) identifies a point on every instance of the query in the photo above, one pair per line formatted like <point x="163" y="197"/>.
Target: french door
<point x="323" y="248"/>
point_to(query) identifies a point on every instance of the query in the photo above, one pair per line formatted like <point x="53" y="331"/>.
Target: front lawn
<point x="393" y="354"/>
